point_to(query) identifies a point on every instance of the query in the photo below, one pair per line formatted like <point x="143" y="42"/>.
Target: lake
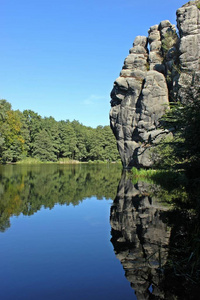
<point x="80" y="232"/>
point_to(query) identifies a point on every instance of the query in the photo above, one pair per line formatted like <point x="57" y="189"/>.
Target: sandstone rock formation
<point x="140" y="237"/>
<point x="149" y="80"/>
<point x="188" y="23"/>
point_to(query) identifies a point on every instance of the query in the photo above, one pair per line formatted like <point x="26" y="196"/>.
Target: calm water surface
<point x="89" y="232"/>
<point x="55" y="239"/>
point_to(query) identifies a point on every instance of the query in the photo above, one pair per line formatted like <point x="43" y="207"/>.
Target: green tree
<point x="4" y="108"/>
<point x="80" y="150"/>
<point x="11" y="140"/>
<point x="43" y="148"/>
<point x="109" y="145"/>
<point x="33" y="124"/>
<point x="183" y="119"/>
<point x="52" y="128"/>
<point x="68" y="140"/>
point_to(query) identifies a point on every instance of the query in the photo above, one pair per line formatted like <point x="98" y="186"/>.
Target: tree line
<point x="27" y="134"/>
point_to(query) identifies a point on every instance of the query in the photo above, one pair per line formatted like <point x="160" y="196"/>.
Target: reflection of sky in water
<point x="63" y="253"/>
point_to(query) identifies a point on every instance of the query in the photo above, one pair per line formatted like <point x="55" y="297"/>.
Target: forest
<point x="28" y="135"/>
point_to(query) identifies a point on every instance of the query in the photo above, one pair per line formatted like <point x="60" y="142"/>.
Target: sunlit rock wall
<point x="153" y="74"/>
<point x="188" y="23"/>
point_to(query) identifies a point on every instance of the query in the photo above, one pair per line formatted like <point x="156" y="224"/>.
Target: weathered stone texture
<point x="149" y="80"/>
<point x="139" y="99"/>
<point x="188" y="23"/>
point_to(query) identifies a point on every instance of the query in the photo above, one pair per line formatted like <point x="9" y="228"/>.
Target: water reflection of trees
<point x="153" y="242"/>
<point x="25" y="189"/>
<point x="158" y="247"/>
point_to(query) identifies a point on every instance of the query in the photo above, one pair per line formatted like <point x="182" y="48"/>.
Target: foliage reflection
<point x="25" y="189"/>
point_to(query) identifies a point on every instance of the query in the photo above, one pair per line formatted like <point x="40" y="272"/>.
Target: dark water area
<point x="84" y="232"/>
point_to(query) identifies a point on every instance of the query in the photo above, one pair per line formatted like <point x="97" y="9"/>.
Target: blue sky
<point x="60" y="58"/>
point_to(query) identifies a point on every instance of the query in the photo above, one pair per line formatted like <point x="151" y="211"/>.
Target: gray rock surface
<point x="139" y="99"/>
<point x="188" y="23"/>
<point x="149" y="80"/>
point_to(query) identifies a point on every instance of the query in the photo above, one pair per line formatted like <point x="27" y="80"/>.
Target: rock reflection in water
<point x="140" y="237"/>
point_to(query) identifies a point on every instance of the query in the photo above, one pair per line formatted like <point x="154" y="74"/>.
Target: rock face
<point x="149" y="80"/>
<point x="140" y="237"/>
<point x="188" y="23"/>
